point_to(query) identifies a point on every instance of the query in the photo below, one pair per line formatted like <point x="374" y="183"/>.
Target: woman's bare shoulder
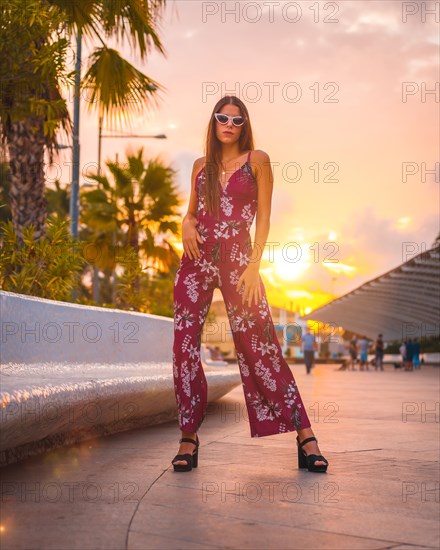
<point x="260" y="162"/>
<point x="199" y="163"/>
<point x="259" y="156"/>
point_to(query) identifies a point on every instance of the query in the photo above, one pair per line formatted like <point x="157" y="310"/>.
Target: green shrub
<point x="48" y="268"/>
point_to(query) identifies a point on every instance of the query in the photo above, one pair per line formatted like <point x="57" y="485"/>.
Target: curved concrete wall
<point x="70" y="372"/>
<point x="35" y="330"/>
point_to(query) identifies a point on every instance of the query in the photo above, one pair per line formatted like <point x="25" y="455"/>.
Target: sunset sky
<point x="350" y="61"/>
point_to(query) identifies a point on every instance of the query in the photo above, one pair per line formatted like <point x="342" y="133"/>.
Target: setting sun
<point x="291" y="262"/>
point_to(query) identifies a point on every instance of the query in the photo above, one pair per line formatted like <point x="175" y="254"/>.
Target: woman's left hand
<point x="251" y="280"/>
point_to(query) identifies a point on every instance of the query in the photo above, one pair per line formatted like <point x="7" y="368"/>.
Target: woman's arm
<point x="264" y="177"/>
<point x="250" y="276"/>
<point x="190" y="235"/>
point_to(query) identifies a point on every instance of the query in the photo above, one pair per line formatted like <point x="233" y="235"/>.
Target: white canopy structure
<point x="402" y="303"/>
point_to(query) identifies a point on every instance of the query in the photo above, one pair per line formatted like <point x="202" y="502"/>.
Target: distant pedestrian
<point x="363" y="347"/>
<point x="379" y="351"/>
<point x="416" y="353"/>
<point x="402" y="351"/>
<point x="353" y="351"/>
<point x="409" y="355"/>
<point x="309" y="346"/>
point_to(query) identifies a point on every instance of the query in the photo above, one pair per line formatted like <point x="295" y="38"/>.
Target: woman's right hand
<point x="190" y="236"/>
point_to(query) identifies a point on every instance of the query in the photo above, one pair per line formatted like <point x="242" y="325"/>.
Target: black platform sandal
<point x="308" y="461"/>
<point x="191" y="459"/>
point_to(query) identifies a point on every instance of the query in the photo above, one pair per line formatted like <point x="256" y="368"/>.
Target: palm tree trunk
<point x="95" y="284"/>
<point x="26" y="161"/>
<point x="133" y="240"/>
<point x="133" y="232"/>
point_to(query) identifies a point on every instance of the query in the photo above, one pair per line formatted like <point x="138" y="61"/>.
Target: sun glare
<point x="404" y="222"/>
<point x="290" y="264"/>
<point x="339" y="267"/>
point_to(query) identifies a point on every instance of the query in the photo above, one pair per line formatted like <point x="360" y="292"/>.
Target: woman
<point x="228" y="187"/>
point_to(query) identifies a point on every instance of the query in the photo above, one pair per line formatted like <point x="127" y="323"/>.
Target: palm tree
<point x="137" y="209"/>
<point x="35" y="37"/>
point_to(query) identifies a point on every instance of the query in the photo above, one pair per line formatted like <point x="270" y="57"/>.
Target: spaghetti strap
<point x="249" y="156"/>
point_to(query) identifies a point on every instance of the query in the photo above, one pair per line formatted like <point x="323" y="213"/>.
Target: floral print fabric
<point x="272" y="398"/>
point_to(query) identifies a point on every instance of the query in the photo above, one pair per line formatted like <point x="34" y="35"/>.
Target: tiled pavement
<point x="379" y="431"/>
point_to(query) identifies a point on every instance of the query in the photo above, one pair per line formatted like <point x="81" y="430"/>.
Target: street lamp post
<point x="74" y="192"/>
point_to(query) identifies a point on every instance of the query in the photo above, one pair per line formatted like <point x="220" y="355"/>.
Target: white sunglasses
<point x="224" y="119"/>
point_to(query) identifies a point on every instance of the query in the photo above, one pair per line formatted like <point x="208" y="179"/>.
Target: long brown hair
<point x="213" y="151"/>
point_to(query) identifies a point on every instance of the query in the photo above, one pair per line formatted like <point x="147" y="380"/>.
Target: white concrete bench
<point x="71" y="372"/>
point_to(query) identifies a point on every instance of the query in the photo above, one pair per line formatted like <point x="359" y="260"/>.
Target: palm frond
<point x="78" y="15"/>
<point x="102" y="180"/>
<point x="122" y="179"/>
<point x="134" y="21"/>
<point x="136" y="164"/>
<point x="117" y="86"/>
<point x="158" y="179"/>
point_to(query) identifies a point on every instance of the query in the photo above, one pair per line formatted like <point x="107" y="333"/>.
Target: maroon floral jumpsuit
<point x="272" y="398"/>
